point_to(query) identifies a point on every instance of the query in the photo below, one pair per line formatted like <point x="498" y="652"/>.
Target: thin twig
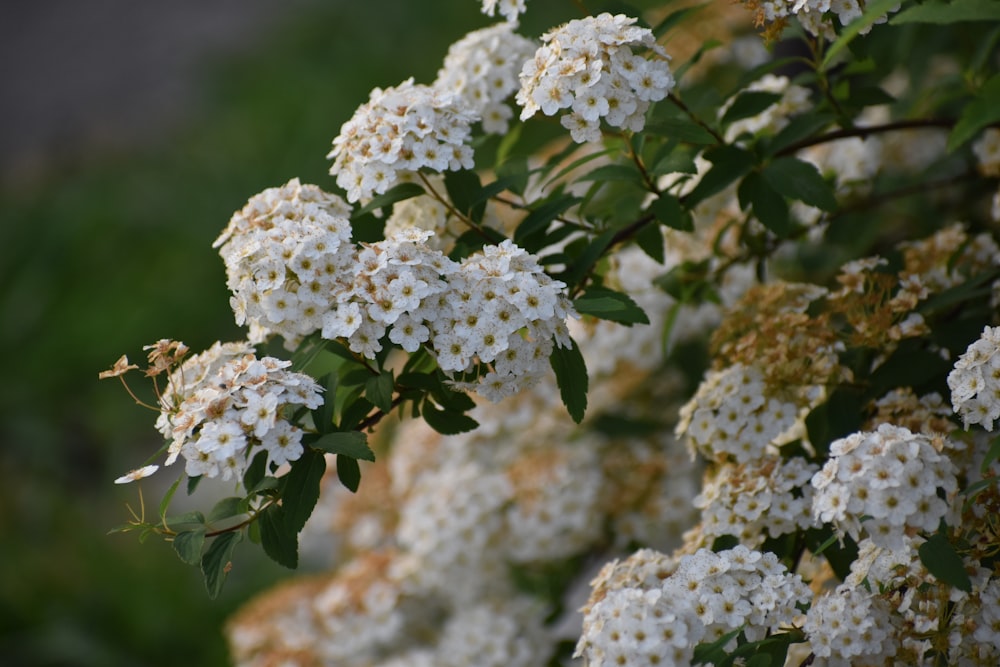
<point x="845" y="133"/>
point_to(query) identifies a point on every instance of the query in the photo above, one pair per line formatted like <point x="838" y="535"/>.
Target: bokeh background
<point x="129" y="133"/>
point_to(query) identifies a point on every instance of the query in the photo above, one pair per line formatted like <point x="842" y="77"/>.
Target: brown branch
<point x="866" y="131"/>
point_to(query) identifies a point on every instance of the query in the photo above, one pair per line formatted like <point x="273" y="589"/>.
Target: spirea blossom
<point x="223" y="406"/>
<point x="733" y="416"/>
<point x="482" y="70"/>
<point x="588" y="67"/>
<point x="987" y="151"/>
<point x="509" y="9"/>
<point x="496" y="307"/>
<point x="401" y="130"/>
<point x="755" y="501"/>
<point x="815" y="15"/>
<point x="885" y="483"/>
<point x="975" y="381"/>
<point x="923" y="606"/>
<point x="286" y="253"/>
<point x="660" y="622"/>
<point x="850" y="626"/>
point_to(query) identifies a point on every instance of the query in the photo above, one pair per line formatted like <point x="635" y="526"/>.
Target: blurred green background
<point x="106" y="248"/>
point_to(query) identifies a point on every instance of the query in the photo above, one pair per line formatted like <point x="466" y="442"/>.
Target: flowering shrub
<point x="734" y="334"/>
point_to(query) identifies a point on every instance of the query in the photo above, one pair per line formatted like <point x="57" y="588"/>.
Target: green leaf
<point x="349" y="473"/>
<point x="188" y="545"/>
<point x="390" y="197"/>
<point x="217" y="561"/>
<point x="187" y="519"/>
<point x="838" y="417"/>
<point x="225" y="509"/>
<point x="869" y="96"/>
<point x="302" y="485"/>
<point x="165" y="503"/>
<point x="255" y="471"/>
<point x="943" y="13"/>
<point x="571" y="376"/>
<point x="193" y="484"/>
<point x="798" y="179"/>
<point x="980" y="112"/>
<point x="506" y="146"/>
<point x="579" y="162"/>
<point x="713" y="652"/>
<point x="607" y="304"/>
<point x="681" y="129"/>
<point x="349" y="443"/>
<point x="676" y="17"/>
<point x="873" y="12"/>
<point x="446" y="422"/>
<point x="355" y="409"/>
<point x="768" y="206"/>
<point x="728" y="164"/>
<point x="678" y="161"/>
<point x="379" y="390"/>
<point x="465" y="190"/>
<point x="650" y="239"/>
<point x="689" y="282"/>
<point x="423" y="381"/>
<point x="840" y="552"/>
<point x="323" y="415"/>
<point x="539" y="218"/>
<point x="614" y="172"/>
<point x="514" y="172"/>
<point x="749" y="103"/>
<point x="449" y="399"/>
<point x="280" y="544"/>
<point x="591" y="254"/>
<point x="992" y="455"/>
<point x="668" y="211"/>
<point x="940" y="558"/>
<point x="909" y="366"/>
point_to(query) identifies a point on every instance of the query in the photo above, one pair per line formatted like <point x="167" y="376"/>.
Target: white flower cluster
<point x="815" y="15"/>
<point x="286" y="252"/>
<point x="495" y="307"/>
<point x="495" y="295"/>
<point x="509" y="9"/>
<point x="732" y="416"/>
<point x="449" y="530"/>
<point x="401" y="130"/>
<point x="588" y="66"/>
<point x="948" y="258"/>
<point x="884" y="483"/>
<point x="851" y="626"/>
<point x="753" y="501"/>
<point x="975" y="381"/>
<point x="708" y="595"/>
<point x="507" y="633"/>
<point x="794" y="99"/>
<point x="922" y="606"/>
<point x="482" y="70"/>
<point x="987" y="151"/>
<point x="225" y="405"/>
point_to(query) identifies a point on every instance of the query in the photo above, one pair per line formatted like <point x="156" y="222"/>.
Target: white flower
<point x="137" y="474"/>
<point x="482" y="69"/>
<point x="398" y="131"/>
<point x="975" y="381"/>
<point x="588" y="66"/>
